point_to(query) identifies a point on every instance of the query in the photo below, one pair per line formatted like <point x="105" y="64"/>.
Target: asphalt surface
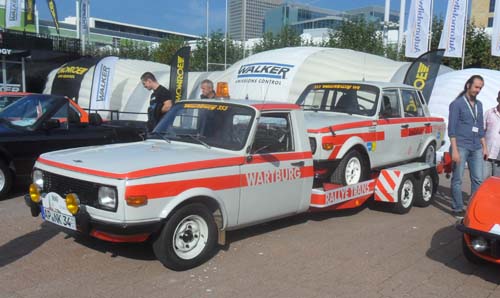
<point x="366" y="253"/>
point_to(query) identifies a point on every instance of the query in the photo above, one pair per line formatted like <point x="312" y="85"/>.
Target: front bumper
<point x="492" y="254"/>
<point x="108" y="231"/>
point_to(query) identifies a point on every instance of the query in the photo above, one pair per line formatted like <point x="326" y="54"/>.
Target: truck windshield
<point x="26" y="111"/>
<point x="221" y="125"/>
<point x="346" y="98"/>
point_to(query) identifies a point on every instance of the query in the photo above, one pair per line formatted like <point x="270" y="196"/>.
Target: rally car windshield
<point x="357" y="99"/>
<point x="26" y="111"/>
<point x="220" y="125"/>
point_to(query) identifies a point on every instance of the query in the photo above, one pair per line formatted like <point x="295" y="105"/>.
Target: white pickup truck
<point x="208" y="167"/>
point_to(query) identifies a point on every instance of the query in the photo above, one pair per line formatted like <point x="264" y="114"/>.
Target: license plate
<point x="54" y="210"/>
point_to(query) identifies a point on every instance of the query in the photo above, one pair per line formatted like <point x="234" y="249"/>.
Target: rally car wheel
<point x="425" y="191"/>
<point x="187" y="239"/>
<point x="406" y="196"/>
<point x="429" y="155"/>
<point x="469" y="255"/>
<point x="351" y="170"/>
<point x="5" y="179"/>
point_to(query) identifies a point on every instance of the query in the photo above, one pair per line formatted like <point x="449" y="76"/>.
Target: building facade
<point x="482" y="12"/>
<point x="246" y="17"/>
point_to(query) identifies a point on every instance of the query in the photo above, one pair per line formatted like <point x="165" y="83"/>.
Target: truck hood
<point x="141" y="159"/>
<point x="317" y="120"/>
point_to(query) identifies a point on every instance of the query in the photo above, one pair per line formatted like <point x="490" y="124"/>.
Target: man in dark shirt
<point x="466" y="132"/>
<point x="160" y="101"/>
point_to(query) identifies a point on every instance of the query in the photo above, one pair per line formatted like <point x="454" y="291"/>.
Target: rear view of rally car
<point x="481" y="224"/>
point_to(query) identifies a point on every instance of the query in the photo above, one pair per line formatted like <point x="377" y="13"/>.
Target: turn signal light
<point x="34" y="193"/>
<point x="72" y="203"/>
<point x="328" y="146"/>
<point x="137" y="201"/>
<point x="222" y="90"/>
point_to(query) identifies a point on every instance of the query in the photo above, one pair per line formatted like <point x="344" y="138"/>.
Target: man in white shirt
<point x="492" y="135"/>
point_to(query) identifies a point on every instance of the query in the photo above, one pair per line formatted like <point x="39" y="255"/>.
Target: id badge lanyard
<point x="473" y="113"/>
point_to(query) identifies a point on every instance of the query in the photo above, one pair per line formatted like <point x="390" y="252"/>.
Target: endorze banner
<point x="68" y="78"/>
<point x="417" y="35"/>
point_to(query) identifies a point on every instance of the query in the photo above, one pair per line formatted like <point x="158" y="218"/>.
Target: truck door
<point x="272" y="176"/>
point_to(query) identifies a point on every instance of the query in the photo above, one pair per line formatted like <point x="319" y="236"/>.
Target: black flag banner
<point x="68" y="78"/>
<point x="179" y="66"/>
<point x="423" y="71"/>
<point x="53" y="13"/>
<point x="29" y="15"/>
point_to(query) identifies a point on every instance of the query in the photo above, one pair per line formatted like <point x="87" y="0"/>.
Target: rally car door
<point x="418" y="124"/>
<point x="271" y="176"/>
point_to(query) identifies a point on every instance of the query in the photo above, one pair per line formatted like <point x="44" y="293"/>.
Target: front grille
<point x="86" y="191"/>
<point x="495" y="248"/>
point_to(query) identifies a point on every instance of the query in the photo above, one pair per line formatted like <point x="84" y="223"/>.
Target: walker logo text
<point x="103" y="83"/>
<point x="272" y="176"/>
<point x="264" y="70"/>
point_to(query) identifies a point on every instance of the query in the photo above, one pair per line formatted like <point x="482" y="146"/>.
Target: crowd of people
<point x="475" y="140"/>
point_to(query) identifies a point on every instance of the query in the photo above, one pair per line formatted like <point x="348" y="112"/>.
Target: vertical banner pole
<point x="465" y="32"/>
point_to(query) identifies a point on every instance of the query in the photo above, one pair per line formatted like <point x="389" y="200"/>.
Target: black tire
<point x="469" y="255"/>
<point x="429" y="155"/>
<point x="425" y="190"/>
<point x="344" y="175"/>
<point x="195" y="243"/>
<point x="6" y="178"/>
<point x="406" y="195"/>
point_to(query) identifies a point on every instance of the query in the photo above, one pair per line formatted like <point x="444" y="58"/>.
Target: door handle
<point x="405" y="126"/>
<point x="298" y="164"/>
<point x="427" y="124"/>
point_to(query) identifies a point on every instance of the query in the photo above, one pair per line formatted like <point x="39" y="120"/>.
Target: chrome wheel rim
<point x="190" y="237"/>
<point x="3" y="180"/>
<point x="430" y="155"/>
<point x="353" y="171"/>
<point x="407" y="194"/>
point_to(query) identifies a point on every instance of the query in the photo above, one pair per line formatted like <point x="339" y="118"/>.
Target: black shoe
<point x="458" y="214"/>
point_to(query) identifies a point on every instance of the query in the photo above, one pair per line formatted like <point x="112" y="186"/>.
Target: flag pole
<point x="429" y="45"/>
<point x="465" y="32"/>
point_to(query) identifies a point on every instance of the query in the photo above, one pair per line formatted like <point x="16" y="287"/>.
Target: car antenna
<point x="364" y="66"/>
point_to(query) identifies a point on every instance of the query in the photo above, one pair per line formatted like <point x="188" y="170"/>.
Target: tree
<point x="134" y="50"/>
<point x="215" y="52"/>
<point x="358" y="35"/>
<point x="287" y="37"/>
<point x="167" y="48"/>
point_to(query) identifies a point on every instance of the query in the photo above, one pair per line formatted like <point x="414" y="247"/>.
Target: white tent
<point x="282" y="74"/>
<point x="449" y="85"/>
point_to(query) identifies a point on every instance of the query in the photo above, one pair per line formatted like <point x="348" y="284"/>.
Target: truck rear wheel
<point x="425" y="191"/>
<point x="5" y="180"/>
<point x="187" y="239"/>
<point x="351" y="170"/>
<point x="406" y="195"/>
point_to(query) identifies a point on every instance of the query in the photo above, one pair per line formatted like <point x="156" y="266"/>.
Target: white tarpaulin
<point x="282" y="74"/>
<point x="449" y="85"/>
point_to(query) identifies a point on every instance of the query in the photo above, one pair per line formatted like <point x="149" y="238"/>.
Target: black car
<point x="37" y="123"/>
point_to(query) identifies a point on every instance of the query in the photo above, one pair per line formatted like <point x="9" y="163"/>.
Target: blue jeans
<point x="491" y="168"/>
<point x="474" y="159"/>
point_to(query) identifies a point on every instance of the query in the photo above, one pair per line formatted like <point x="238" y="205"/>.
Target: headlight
<point x="107" y="197"/>
<point x="38" y="178"/>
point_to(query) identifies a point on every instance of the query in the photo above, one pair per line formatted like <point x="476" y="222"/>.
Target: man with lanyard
<point x="160" y="101"/>
<point x="466" y="132"/>
<point x="492" y="135"/>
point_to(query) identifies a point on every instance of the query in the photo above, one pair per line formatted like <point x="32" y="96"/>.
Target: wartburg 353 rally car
<point x="481" y="224"/>
<point x="357" y="127"/>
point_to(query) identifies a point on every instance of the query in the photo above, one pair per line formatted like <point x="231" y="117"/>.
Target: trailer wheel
<point x="469" y="255"/>
<point x="351" y="170"/>
<point x="406" y="195"/>
<point x="5" y="179"/>
<point x="187" y="239"/>
<point x="429" y="155"/>
<point x="425" y="191"/>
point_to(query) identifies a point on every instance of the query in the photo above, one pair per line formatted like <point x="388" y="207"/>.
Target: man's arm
<point x="167" y="104"/>
<point x="452" y="124"/>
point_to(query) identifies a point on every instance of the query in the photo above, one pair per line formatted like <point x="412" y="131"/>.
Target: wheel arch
<point x="426" y="144"/>
<point x="355" y="143"/>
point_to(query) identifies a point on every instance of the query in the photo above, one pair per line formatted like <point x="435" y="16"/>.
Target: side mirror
<point x="51" y="124"/>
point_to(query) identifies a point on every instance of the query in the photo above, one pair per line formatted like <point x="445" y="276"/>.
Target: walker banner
<point x="12" y="13"/>
<point x="495" y="33"/>
<point x="68" y="78"/>
<point x="417" y="35"/>
<point x="29" y="15"/>
<point x="423" y="72"/>
<point x="101" y="83"/>
<point x="53" y="13"/>
<point x="179" y="66"/>
<point x="452" y="37"/>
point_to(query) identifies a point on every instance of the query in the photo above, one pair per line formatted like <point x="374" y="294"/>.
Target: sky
<point x="189" y="16"/>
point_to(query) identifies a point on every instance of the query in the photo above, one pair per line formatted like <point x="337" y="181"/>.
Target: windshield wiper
<point x="196" y="138"/>
<point x="161" y="135"/>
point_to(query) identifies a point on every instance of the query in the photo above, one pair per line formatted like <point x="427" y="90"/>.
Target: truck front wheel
<point x="187" y="239"/>
<point x="5" y="180"/>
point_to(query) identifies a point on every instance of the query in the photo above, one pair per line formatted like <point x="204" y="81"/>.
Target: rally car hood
<point x="317" y="120"/>
<point x="485" y="206"/>
<point x="134" y="160"/>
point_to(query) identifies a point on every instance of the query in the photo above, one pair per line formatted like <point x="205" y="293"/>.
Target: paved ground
<point x="369" y="253"/>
